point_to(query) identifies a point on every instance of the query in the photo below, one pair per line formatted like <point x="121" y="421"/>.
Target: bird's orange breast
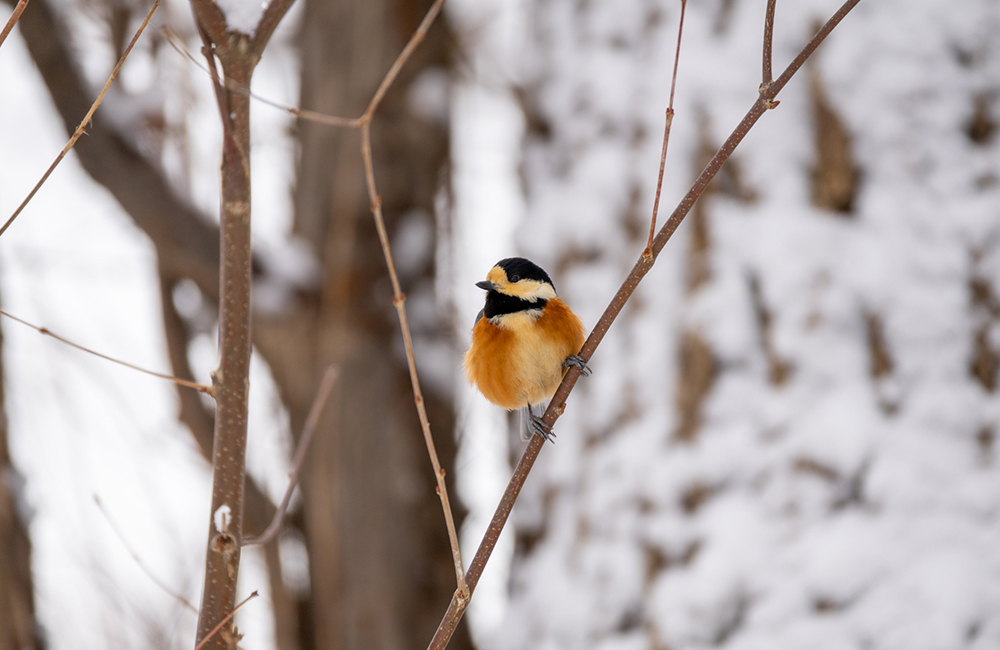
<point x="518" y="360"/>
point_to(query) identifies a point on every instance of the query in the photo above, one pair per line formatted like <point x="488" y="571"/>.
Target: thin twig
<point x="768" y="39"/>
<point x="403" y="57"/>
<point x="458" y="604"/>
<point x="46" y="332"/>
<point x="225" y="620"/>
<point x="138" y="560"/>
<point x="666" y="133"/>
<point x="399" y="301"/>
<point x="325" y="387"/>
<point x="322" y="118"/>
<point x="268" y="22"/>
<point x="310" y="116"/>
<point x="18" y="10"/>
<point x="82" y="128"/>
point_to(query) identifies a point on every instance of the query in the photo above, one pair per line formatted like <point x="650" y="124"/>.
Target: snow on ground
<point x="834" y="508"/>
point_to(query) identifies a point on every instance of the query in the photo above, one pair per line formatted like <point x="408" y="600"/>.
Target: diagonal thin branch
<point x="321" y="118"/>
<point x="225" y="620"/>
<point x="766" y="101"/>
<point x="82" y="128"/>
<point x="138" y="560"/>
<point x="310" y="116"/>
<point x="397" y="65"/>
<point x="325" y="387"/>
<point x="46" y="332"/>
<point x="399" y="301"/>
<point x="666" y="133"/>
<point x="273" y="14"/>
<point x="18" y="10"/>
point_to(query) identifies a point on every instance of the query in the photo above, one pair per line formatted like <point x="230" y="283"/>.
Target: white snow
<point x="242" y="15"/>
<point x="840" y="510"/>
<point x="222" y="517"/>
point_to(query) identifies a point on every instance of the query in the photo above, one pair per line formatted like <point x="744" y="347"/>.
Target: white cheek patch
<point x="533" y="290"/>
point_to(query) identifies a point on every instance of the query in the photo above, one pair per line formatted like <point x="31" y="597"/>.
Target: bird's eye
<point x="515" y="278"/>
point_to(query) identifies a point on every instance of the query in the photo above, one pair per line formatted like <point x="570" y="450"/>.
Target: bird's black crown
<point x="518" y="268"/>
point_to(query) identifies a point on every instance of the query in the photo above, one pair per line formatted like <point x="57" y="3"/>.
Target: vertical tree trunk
<point x="380" y="566"/>
<point x="231" y="379"/>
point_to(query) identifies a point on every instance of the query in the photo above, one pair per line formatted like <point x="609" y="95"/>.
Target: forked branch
<point x="556" y="407"/>
<point x="666" y="132"/>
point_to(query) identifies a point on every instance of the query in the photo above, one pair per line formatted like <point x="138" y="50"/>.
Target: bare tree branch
<point x="666" y="132"/>
<point x="321" y="118"/>
<point x="199" y="421"/>
<point x="82" y="127"/>
<point x="231" y="378"/>
<point x="18" y="10"/>
<point x="269" y="20"/>
<point x="138" y="560"/>
<point x="399" y="302"/>
<point x="300" y="455"/>
<point x="187" y="243"/>
<point x="404" y="56"/>
<point x="215" y="630"/>
<point x="46" y="332"/>
<point x="558" y="403"/>
<point x="768" y="40"/>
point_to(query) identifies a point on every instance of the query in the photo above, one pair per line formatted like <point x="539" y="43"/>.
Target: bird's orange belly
<point x="521" y="363"/>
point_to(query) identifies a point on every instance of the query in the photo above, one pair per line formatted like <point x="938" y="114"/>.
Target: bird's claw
<point x="577" y="360"/>
<point x="535" y="425"/>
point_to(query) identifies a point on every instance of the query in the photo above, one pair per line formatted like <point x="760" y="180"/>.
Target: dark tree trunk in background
<point x="379" y="561"/>
<point x="18" y="628"/>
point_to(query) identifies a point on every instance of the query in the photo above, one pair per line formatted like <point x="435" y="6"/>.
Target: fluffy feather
<point x="517" y="359"/>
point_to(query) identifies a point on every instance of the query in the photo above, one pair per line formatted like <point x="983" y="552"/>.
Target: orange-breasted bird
<point x="523" y="341"/>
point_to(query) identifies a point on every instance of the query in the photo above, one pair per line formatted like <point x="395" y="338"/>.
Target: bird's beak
<point x="487" y="285"/>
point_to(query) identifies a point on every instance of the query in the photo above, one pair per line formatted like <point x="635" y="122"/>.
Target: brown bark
<point x="379" y="557"/>
<point x="231" y="380"/>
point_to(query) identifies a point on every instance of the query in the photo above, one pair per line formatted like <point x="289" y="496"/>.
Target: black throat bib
<point x="498" y="304"/>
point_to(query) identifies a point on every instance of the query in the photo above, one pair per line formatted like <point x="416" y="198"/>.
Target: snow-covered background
<point x="838" y="488"/>
<point x="835" y="485"/>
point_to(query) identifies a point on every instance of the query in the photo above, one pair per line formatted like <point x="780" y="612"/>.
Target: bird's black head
<point x="516" y="284"/>
<point x="518" y="268"/>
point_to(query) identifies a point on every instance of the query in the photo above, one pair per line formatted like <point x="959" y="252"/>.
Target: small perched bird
<point x="523" y="341"/>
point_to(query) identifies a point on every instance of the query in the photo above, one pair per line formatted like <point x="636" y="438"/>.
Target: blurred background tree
<point x="789" y="438"/>
<point x="379" y="568"/>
